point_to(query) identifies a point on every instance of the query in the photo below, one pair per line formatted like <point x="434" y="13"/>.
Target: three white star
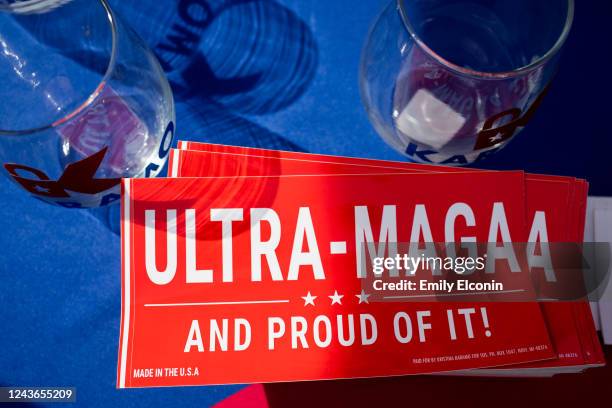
<point x="308" y="299"/>
<point x="363" y="297"/>
<point x="336" y="298"/>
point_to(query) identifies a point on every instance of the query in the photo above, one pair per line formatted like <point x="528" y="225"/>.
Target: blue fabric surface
<point x="258" y="73"/>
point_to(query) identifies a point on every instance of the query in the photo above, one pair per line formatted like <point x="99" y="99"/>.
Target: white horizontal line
<point x="455" y="294"/>
<point x="244" y="302"/>
<point x="337" y="247"/>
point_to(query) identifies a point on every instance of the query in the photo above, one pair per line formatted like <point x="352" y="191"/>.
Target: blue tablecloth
<point x="276" y="74"/>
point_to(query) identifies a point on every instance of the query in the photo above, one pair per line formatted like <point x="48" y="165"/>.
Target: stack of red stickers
<point x="244" y="266"/>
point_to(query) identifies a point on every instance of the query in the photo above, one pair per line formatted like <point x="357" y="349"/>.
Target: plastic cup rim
<point x="93" y="96"/>
<point x="401" y="7"/>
